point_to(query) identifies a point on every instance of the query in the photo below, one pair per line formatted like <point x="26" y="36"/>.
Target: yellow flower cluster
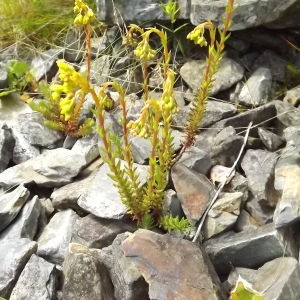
<point x="84" y="14"/>
<point x="144" y="50"/>
<point x="197" y="34"/>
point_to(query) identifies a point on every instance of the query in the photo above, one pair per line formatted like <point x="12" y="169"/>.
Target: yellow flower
<point x="197" y="35"/>
<point x="84" y="14"/>
<point x="144" y="50"/>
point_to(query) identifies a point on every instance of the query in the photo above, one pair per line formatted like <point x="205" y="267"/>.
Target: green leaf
<point x="6" y="93"/>
<point x="244" y="291"/>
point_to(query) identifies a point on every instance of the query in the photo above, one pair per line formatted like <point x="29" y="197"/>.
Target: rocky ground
<point x="64" y="233"/>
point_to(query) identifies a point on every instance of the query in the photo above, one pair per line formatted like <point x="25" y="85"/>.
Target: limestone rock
<point x="250" y="249"/>
<point x="194" y="191"/>
<point x="271" y="140"/>
<point x="7" y="143"/>
<point x="14" y="256"/>
<point x="37" y="281"/>
<point x="172" y="274"/>
<point x="53" y="246"/>
<point x="292" y="96"/>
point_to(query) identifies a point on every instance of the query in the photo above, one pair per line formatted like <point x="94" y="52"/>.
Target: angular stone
<point x="53" y="246"/>
<point x="259" y="166"/>
<point x="229" y="73"/>
<point x="14" y="256"/>
<point x="84" y="276"/>
<point x="196" y="159"/>
<point x="102" y="199"/>
<point x="220" y="174"/>
<point x="223" y="214"/>
<point x="26" y="223"/>
<point x="7" y="143"/>
<point x="245" y="222"/>
<point x="276" y="280"/>
<point x="271" y="140"/>
<point x="37" y="280"/>
<point x="140" y="148"/>
<point x="194" y="191"/>
<point x="250" y="249"/>
<point x="287" y="115"/>
<point x="100" y="69"/>
<point x="172" y="274"/>
<point x="31" y="125"/>
<point x="53" y="168"/>
<point x="11" y="203"/>
<point x="94" y="232"/>
<point x="292" y="96"/>
<point x="257" y="88"/>
<point x="126" y="278"/>
<point x="172" y="204"/>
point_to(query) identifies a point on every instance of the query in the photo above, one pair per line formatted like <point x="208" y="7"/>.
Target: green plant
<point x="174" y="224"/>
<point x="65" y="99"/>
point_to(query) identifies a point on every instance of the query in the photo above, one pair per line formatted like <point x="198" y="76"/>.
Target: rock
<point x="3" y="77"/>
<point x="193" y="189"/>
<point x="14" y="255"/>
<point x="197" y="160"/>
<point x="257" y="88"/>
<point x="53" y="246"/>
<point x="79" y="263"/>
<point x="238" y="184"/>
<point x="32" y="127"/>
<point x="102" y="199"/>
<point x="126" y="278"/>
<point x="100" y="46"/>
<point x="26" y="223"/>
<point x="276" y="280"/>
<point x="7" y="143"/>
<point x="94" y="232"/>
<point x="100" y="69"/>
<point x="259" y="166"/>
<point x="172" y="204"/>
<point x="140" y="148"/>
<point x="223" y="214"/>
<point x="250" y="249"/>
<point x="287" y="115"/>
<point x="229" y="73"/>
<point x="53" y="168"/>
<point x="245" y="222"/>
<point x="164" y="267"/>
<point x="271" y="140"/>
<point x="43" y="66"/>
<point x="220" y="174"/>
<point x="37" y="280"/>
<point x="11" y="203"/>
<point x="292" y="96"/>
<point x="287" y="176"/>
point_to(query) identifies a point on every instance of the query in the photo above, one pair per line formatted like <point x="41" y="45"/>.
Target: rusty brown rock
<point x="172" y="274"/>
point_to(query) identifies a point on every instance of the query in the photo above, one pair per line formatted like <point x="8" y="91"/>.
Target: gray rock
<point x="7" y="143"/>
<point x="53" y="168"/>
<point x="271" y="140"/>
<point x="26" y="223"/>
<point x="14" y="256"/>
<point x="100" y="46"/>
<point x="37" y="280"/>
<point x="245" y="222"/>
<point x="94" y="232"/>
<point x="102" y="199"/>
<point x="223" y="214"/>
<point x="287" y="115"/>
<point x="257" y="88"/>
<point x="43" y="66"/>
<point x="238" y="184"/>
<point x="197" y="160"/>
<point x="164" y="267"/>
<point x="31" y="125"/>
<point x="11" y="203"/>
<point x="3" y="78"/>
<point x="80" y="262"/>
<point x="172" y="204"/>
<point x="53" y="246"/>
<point x="194" y="191"/>
<point x="276" y="280"/>
<point x="229" y="73"/>
<point x="292" y="96"/>
<point x="259" y="166"/>
<point x="140" y="148"/>
<point x="250" y="249"/>
<point x="126" y="278"/>
<point x="100" y="69"/>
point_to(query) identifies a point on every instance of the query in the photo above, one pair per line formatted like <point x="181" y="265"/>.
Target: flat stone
<point x="128" y="282"/>
<point x="84" y="276"/>
<point x="94" y="232"/>
<point x="51" y="169"/>
<point x="259" y="166"/>
<point x="102" y="199"/>
<point x="11" y="203"/>
<point x="229" y="73"/>
<point x="32" y="127"/>
<point x="14" y="255"/>
<point x="271" y="140"/>
<point x="172" y="274"/>
<point x="257" y="88"/>
<point x="37" y="280"/>
<point x="25" y="224"/>
<point x="194" y="191"/>
<point x="287" y="115"/>
<point x="276" y="280"/>
<point x="53" y="246"/>
<point x="223" y="214"/>
<point x="7" y="143"/>
<point x="250" y="249"/>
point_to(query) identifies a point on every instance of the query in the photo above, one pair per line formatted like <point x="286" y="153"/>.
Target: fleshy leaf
<point x="244" y="291"/>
